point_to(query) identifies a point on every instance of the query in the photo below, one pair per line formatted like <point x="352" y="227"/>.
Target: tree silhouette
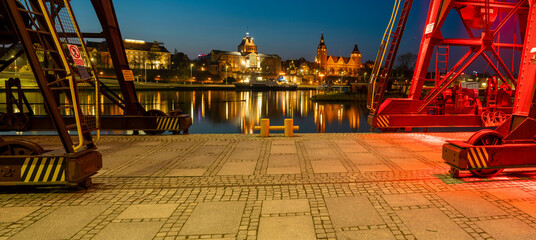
<point x="152" y="57"/>
<point x="406" y="64"/>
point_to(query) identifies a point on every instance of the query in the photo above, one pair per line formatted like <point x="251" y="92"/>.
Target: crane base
<point x="46" y="169"/>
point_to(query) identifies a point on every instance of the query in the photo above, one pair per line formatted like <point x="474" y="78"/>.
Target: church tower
<point x="356" y="55"/>
<point x="247" y="45"/>
<point x="321" y="53"/>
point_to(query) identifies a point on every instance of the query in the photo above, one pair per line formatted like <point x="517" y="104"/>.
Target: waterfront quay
<point x="28" y="83"/>
<point x="238" y="186"/>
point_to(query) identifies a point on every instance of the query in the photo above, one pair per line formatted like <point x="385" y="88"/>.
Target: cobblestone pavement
<point x="312" y="186"/>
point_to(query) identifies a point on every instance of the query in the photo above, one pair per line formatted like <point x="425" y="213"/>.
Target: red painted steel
<point x="512" y="144"/>
<point x="483" y="21"/>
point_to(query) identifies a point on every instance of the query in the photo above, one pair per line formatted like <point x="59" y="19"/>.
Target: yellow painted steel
<point x="265" y="127"/>
<point x="478" y="157"/>
<point x="475" y="157"/>
<point x="382" y="121"/>
<point x="167" y="123"/>
<point x="289" y="126"/>
<point x="32" y="166"/>
<point x="41" y="166"/>
<point x="25" y="165"/>
<point x="471" y="160"/>
<point x="58" y="168"/>
<point x="68" y="74"/>
<point x="481" y="157"/>
<point x="276" y="128"/>
<point x="387" y="33"/>
<point x="97" y="83"/>
<point x="49" y="168"/>
<point x="486" y="156"/>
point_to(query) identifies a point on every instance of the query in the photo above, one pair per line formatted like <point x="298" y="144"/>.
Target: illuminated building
<point x="140" y="54"/>
<point x="243" y="63"/>
<point x="337" y="66"/>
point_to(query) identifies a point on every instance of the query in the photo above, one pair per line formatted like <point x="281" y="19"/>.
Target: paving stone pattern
<point x="311" y="186"/>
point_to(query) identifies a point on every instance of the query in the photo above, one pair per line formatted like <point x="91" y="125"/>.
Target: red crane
<point x="440" y="100"/>
<point x="513" y="144"/>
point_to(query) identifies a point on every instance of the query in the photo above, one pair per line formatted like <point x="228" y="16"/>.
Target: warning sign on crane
<point x="129" y="75"/>
<point x="429" y="28"/>
<point x="75" y="53"/>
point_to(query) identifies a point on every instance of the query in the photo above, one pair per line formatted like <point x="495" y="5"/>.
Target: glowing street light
<point x="145" y="68"/>
<point x="191" y="67"/>
<point x="15" y="63"/>
<point x="226" y="74"/>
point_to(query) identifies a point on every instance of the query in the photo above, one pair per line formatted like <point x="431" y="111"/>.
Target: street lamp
<point x="226" y="74"/>
<point x="145" y="68"/>
<point x="191" y="75"/>
<point x="15" y="63"/>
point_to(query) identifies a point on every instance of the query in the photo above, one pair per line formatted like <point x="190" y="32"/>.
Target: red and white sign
<point x="75" y="53"/>
<point x="429" y="28"/>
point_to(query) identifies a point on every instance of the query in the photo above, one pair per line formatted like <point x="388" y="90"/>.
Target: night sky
<point x="290" y="29"/>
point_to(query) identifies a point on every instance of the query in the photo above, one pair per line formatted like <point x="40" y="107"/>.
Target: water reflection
<point x="238" y="112"/>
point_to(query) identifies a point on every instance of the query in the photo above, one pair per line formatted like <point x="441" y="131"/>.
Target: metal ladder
<point x="37" y="24"/>
<point x="378" y="83"/>
<point x="442" y="63"/>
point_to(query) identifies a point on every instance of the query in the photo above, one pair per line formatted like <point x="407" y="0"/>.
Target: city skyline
<point x="291" y="30"/>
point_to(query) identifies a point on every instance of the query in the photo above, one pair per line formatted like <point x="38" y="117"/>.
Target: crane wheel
<point x="20" y="147"/>
<point x="486" y="137"/>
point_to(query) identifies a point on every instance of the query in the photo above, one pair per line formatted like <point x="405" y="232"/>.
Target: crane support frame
<point x="424" y="103"/>
<point x="512" y="144"/>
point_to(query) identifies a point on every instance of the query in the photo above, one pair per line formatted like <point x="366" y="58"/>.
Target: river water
<point x="239" y="111"/>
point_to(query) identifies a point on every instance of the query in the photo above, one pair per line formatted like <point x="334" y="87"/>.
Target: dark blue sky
<point x="289" y="28"/>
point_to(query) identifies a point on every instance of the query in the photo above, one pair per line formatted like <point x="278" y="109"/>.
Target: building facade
<point x="244" y="63"/>
<point x="337" y="66"/>
<point x="140" y="54"/>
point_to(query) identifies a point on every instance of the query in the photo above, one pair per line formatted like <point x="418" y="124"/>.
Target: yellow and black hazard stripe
<point x="167" y="123"/>
<point x="383" y="121"/>
<point x="478" y="157"/>
<point x="43" y="169"/>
